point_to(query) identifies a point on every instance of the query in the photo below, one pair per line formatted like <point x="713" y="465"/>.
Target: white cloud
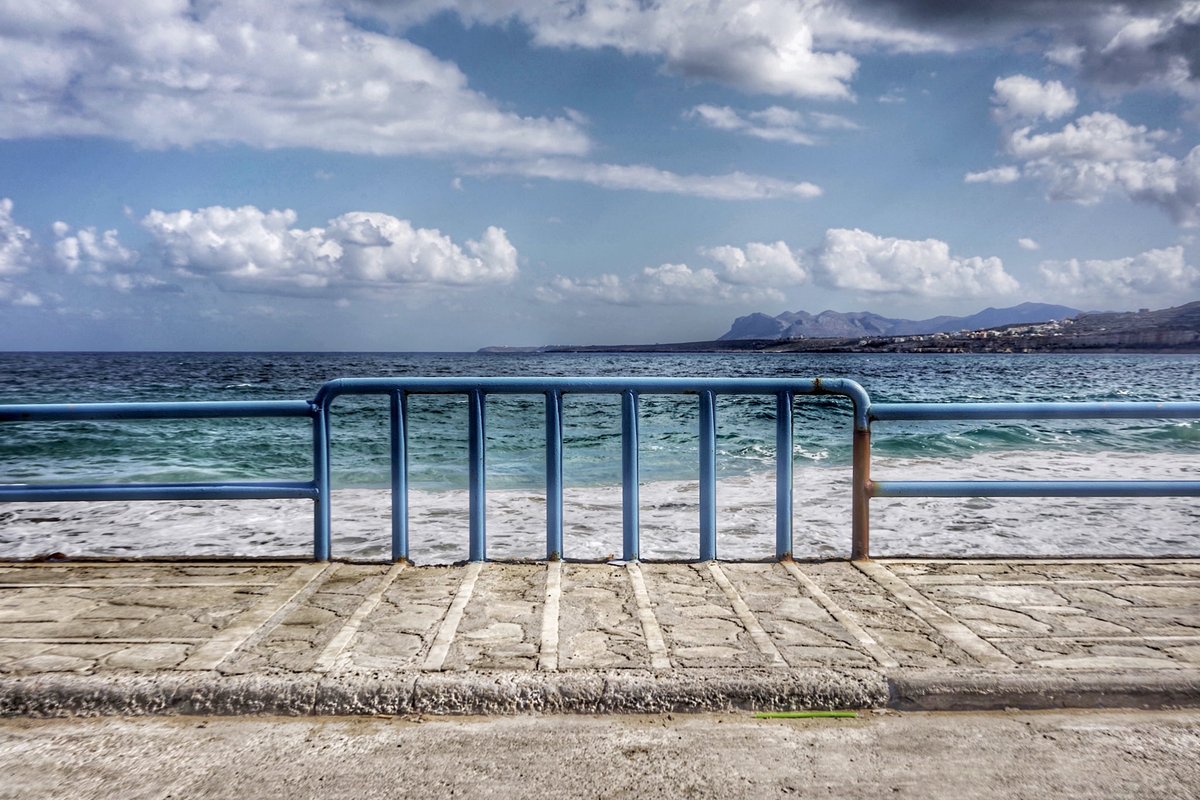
<point x="667" y="284"/>
<point x="1028" y="244"/>
<point x="16" y="256"/>
<point x="639" y="177"/>
<point x="773" y="124"/>
<point x="286" y="73"/>
<point x="1101" y="153"/>
<point x="1154" y="272"/>
<point x="89" y="251"/>
<point x="777" y="47"/>
<point x="764" y="47"/>
<point x="1100" y="136"/>
<point x="102" y="260"/>
<point x="13" y="295"/>
<point x="1022" y="97"/>
<point x="999" y="175"/>
<point x="246" y="249"/>
<point x="862" y="261"/>
<point x="754" y="273"/>
<point x="16" y="242"/>
<point x="759" y="264"/>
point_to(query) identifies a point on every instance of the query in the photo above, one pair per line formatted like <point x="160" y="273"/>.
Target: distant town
<point x="1145" y="331"/>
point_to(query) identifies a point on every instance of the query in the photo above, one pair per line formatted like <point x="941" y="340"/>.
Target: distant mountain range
<point x="842" y="325"/>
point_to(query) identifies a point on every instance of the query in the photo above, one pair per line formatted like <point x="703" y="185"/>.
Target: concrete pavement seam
<point x="548" y="655"/>
<point x="936" y="617"/>
<point x="844" y="617"/>
<point x="659" y="659"/>
<point x="759" y="636"/>
<point x="329" y="657"/>
<point x="444" y="637"/>
<point x="258" y="619"/>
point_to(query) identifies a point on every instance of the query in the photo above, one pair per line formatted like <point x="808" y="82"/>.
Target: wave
<point x="669" y="513"/>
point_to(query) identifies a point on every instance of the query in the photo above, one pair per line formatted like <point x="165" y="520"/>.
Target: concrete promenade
<point x="255" y="637"/>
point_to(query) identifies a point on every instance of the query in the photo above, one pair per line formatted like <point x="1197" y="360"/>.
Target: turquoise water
<point x="204" y="450"/>
<point x="281" y="449"/>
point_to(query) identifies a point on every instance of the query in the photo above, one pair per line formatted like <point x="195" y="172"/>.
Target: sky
<point x="440" y="175"/>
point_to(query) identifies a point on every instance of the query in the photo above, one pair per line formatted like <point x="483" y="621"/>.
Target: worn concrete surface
<point x="1046" y="754"/>
<point x="304" y="638"/>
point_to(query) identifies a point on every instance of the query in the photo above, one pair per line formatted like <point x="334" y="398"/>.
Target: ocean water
<point x="281" y="449"/>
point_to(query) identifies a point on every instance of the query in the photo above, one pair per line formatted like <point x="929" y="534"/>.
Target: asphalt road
<point x="1077" y="754"/>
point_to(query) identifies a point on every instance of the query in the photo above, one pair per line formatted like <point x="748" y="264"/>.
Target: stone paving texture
<point x="301" y="638"/>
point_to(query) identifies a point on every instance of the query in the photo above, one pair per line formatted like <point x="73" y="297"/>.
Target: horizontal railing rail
<point x="553" y="389"/>
<point x="477" y="390"/>
<point x="211" y="490"/>
<point x="938" y="412"/>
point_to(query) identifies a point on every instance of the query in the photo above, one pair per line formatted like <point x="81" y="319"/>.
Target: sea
<point x="205" y="450"/>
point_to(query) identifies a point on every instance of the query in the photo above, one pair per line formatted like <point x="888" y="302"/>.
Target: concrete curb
<point x="625" y="691"/>
<point x="992" y="690"/>
<point x="491" y="693"/>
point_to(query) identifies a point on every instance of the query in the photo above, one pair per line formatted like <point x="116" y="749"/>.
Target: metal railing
<point x="77" y="412"/>
<point x="630" y="390"/>
<point x="707" y="390"/>
<point x="891" y="412"/>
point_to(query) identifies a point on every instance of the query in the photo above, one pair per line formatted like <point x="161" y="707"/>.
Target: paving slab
<point x="349" y="638"/>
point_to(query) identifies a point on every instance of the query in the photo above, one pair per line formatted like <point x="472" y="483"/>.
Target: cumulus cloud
<point x="1022" y="97"/>
<point x="247" y="249"/>
<point x="639" y="177"/>
<point x="1095" y="156"/>
<point x="773" y="124"/>
<point x="999" y="175"/>
<point x="16" y="255"/>
<point x="16" y="242"/>
<point x="774" y="47"/>
<point x="862" y="261"/>
<point x="102" y="260"/>
<point x="805" y="49"/>
<point x="751" y="274"/>
<point x="1154" y="272"/>
<point x="1100" y="154"/>
<point x="758" y="272"/>
<point x="765" y="48"/>
<point x="1028" y="244"/>
<point x="759" y="264"/>
<point x="286" y="73"/>
<point x="1095" y="137"/>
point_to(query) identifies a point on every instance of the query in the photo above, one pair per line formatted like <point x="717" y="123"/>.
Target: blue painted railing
<point x="707" y="390"/>
<point x="630" y="390"/>
<point x="892" y="412"/>
<point x="261" y="490"/>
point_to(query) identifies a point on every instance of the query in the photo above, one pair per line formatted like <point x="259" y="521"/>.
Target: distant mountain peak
<point x="830" y="324"/>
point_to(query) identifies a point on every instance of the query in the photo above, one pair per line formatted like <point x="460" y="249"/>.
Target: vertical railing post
<point x="322" y="507"/>
<point x="631" y="532"/>
<point x="477" y="476"/>
<point x="399" y="457"/>
<point x="783" y="475"/>
<point x="860" y="512"/>
<point x="554" y="475"/>
<point x="708" y="476"/>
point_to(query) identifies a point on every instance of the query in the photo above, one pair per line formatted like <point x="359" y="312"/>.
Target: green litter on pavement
<point x="806" y="715"/>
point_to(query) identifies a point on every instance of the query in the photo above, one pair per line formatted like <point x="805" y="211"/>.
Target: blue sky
<point x="436" y="175"/>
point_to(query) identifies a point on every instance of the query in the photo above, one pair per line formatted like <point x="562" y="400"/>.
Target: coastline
<point x="1165" y="331"/>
